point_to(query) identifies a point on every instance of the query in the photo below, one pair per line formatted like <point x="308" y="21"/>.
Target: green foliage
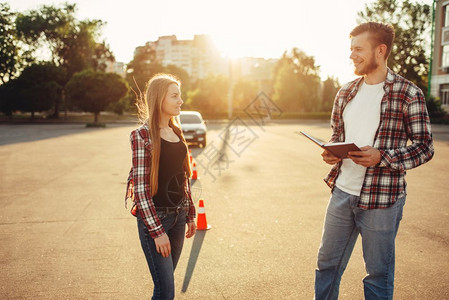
<point x="211" y="95"/>
<point x="8" y="96"/>
<point x="102" y="54"/>
<point x="297" y="82"/>
<point x="12" y="57"/>
<point x="287" y="89"/>
<point x="93" y="91"/>
<point x="182" y="75"/>
<point x="244" y="92"/>
<point x="72" y="43"/>
<point x="40" y="87"/>
<point x="142" y="68"/>
<point x="96" y="125"/>
<point x="120" y="106"/>
<point x="412" y="21"/>
<point x="436" y="112"/>
<point x="37" y="89"/>
<point x="330" y="89"/>
<point x="46" y="26"/>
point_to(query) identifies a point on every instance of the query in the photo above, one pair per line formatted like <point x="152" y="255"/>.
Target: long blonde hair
<point x="149" y="108"/>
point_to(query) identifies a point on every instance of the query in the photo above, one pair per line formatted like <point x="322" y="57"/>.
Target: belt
<point x="174" y="209"/>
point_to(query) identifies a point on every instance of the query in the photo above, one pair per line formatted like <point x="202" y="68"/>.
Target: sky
<point x="239" y="28"/>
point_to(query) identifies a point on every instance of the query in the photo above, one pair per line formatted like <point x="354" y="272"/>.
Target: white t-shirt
<point x="361" y="119"/>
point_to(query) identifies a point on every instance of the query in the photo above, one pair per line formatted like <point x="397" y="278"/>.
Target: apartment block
<point x="440" y="60"/>
<point x="116" y="67"/>
<point x="200" y="58"/>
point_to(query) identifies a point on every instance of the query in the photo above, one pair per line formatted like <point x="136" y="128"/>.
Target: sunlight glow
<point x="238" y="28"/>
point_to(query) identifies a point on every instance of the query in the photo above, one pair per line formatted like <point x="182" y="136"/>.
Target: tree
<point x="142" y="67"/>
<point x="297" y="83"/>
<point x="182" y="75"/>
<point x="411" y="21"/>
<point x="102" y="54"/>
<point x="12" y="57"/>
<point x="120" y="106"/>
<point x="46" y="28"/>
<point x="35" y="90"/>
<point x="72" y="43"/>
<point x="244" y="92"/>
<point x="40" y="87"/>
<point x="93" y="91"/>
<point x="8" y="97"/>
<point x="210" y="97"/>
<point x="81" y="51"/>
<point x="287" y="89"/>
<point x="330" y="89"/>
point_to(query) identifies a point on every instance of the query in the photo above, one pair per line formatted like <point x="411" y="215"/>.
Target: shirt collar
<point x="356" y="83"/>
<point x="390" y="77"/>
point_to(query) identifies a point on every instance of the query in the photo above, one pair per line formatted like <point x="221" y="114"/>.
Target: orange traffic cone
<point x="190" y="156"/>
<point x="194" y="172"/>
<point x="201" y="223"/>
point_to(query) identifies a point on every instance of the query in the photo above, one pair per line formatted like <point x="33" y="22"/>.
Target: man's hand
<point x="368" y="157"/>
<point x="191" y="229"/>
<point x="163" y="245"/>
<point x="330" y="158"/>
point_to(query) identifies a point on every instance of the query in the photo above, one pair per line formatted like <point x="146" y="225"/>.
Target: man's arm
<point x="417" y="124"/>
<point x="335" y="121"/>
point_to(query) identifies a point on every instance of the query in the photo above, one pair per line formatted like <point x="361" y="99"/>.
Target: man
<point x="379" y="112"/>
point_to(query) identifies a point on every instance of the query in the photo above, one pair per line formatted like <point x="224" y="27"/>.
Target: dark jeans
<point x="162" y="268"/>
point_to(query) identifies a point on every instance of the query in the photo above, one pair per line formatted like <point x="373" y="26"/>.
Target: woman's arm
<point x="191" y="212"/>
<point x="141" y="161"/>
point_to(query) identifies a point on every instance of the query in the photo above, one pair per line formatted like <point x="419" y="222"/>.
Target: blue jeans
<point x="342" y="225"/>
<point x="162" y="268"/>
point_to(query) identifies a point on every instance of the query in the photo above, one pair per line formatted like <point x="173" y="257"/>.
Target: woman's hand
<point x="163" y="245"/>
<point x="330" y="158"/>
<point x="191" y="229"/>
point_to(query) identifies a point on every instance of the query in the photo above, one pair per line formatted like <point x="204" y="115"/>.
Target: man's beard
<point x="369" y="67"/>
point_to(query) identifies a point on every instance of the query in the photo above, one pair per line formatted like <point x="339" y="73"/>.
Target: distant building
<point x="440" y="61"/>
<point x="259" y="69"/>
<point x="116" y="67"/>
<point x="200" y="58"/>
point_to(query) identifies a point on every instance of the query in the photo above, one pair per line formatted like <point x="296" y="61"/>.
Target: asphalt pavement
<point x="65" y="234"/>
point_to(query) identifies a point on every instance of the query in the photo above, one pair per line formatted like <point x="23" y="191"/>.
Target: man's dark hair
<point x="379" y="34"/>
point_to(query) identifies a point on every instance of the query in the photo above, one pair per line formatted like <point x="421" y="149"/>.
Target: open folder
<point x="338" y="149"/>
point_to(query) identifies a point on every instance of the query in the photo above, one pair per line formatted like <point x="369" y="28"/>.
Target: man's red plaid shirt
<point x="403" y="117"/>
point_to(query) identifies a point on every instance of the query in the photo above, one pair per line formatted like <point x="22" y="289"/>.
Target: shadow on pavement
<point x="22" y="133"/>
<point x="194" y="253"/>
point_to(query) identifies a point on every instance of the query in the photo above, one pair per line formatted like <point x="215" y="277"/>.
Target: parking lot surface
<point x="65" y="234"/>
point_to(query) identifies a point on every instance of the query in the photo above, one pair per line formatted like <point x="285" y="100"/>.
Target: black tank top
<point x="171" y="179"/>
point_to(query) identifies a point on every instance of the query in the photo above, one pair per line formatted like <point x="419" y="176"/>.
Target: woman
<point x="158" y="182"/>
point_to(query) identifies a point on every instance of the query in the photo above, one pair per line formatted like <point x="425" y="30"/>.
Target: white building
<point x="199" y="57"/>
<point x="116" y="67"/>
